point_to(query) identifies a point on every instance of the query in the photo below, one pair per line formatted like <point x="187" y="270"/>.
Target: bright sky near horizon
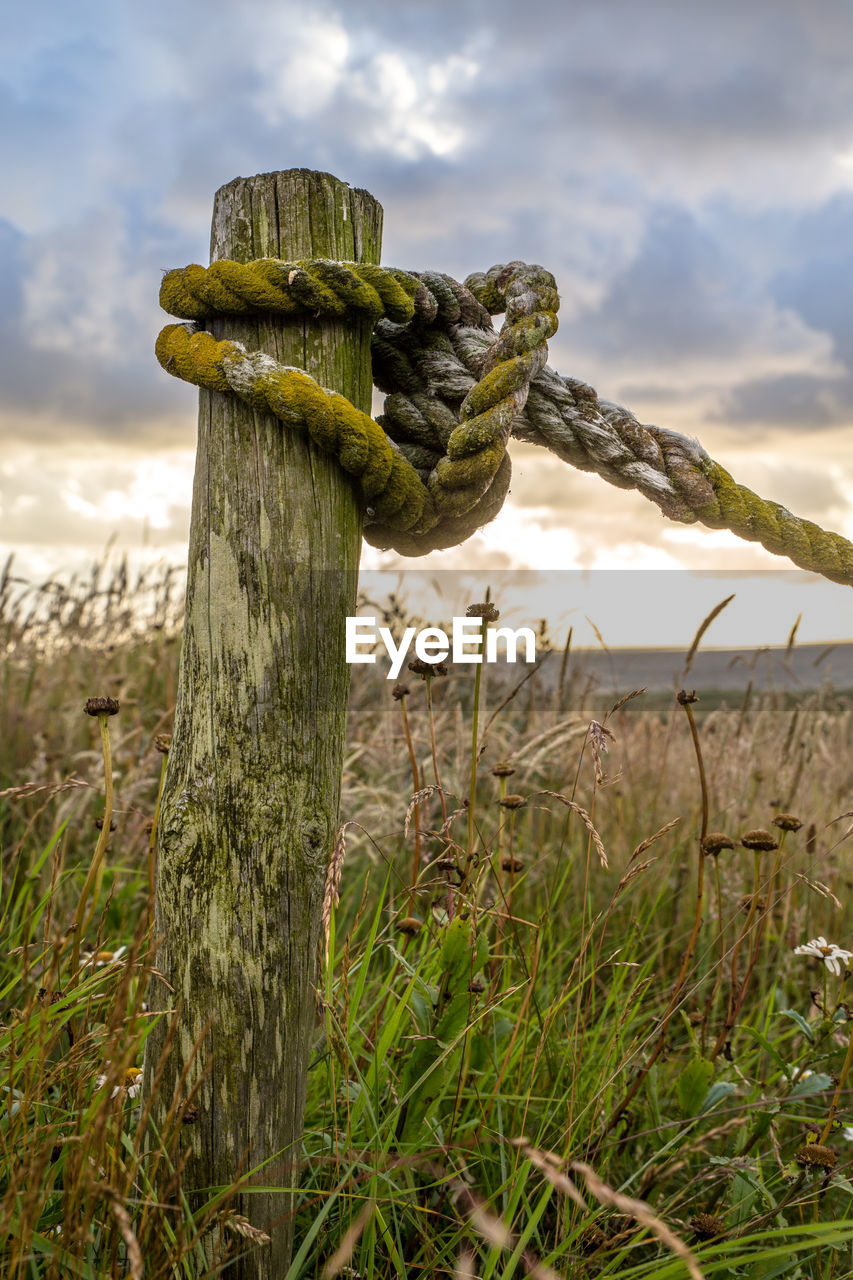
<point x="685" y="171"/>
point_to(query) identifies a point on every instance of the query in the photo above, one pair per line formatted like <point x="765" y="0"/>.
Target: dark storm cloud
<point x="796" y="402"/>
<point x="108" y="384"/>
<point x="817" y="283"/>
<point x="677" y="296"/>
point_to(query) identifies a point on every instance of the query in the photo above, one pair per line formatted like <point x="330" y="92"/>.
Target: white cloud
<point x="74" y="500"/>
<point x="411" y="104"/>
<point x="303" y="63"/>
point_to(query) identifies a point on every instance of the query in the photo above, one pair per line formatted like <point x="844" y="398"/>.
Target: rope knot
<point x="434" y="467"/>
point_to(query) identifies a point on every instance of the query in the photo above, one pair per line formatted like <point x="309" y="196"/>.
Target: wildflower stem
<point x="152" y="842"/>
<point x="475" y="729"/>
<point x="721" y="938"/>
<point x="433" y="745"/>
<point x="434" y="751"/>
<point x="416" y="816"/>
<point x="501" y="908"/>
<point x="756" y="946"/>
<point x="700" y="764"/>
<point x="511" y="859"/>
<point x="737" y="994"/>
<point x="95" y="873"/>
<point x="839" y="1088"/>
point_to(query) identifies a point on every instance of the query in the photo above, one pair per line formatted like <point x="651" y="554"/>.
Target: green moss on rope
<point x="758" y="519"/>
<point x="415" y="314"/>
<point x="328" y="288"/>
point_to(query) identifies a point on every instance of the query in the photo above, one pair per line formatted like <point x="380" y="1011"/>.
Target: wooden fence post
<point x="250" y="804"/>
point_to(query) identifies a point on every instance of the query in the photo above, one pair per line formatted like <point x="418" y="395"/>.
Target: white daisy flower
<point x="832" y="955"/>
<point x="98" y="959"/>
<point x="130" y="1086"/>
<point x="847" y="1133"/>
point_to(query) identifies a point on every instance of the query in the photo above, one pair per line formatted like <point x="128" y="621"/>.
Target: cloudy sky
<point x="685" y="170"/>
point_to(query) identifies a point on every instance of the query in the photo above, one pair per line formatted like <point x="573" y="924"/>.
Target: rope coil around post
<point x="434" y="467"/>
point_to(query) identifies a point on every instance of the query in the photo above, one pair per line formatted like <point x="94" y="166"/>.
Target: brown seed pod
<point x="706" y="1226"/>
<point x="814" y="1155"/>
<point x="99" y="823"/>
<point x="787" y="822"/>
<point x="162" y="743"/>
<point x="715" y="842"/>
<point x="511" y="864"/>
<point x="427" y="670"/>
<point x="409" y="925"/>
<point x="513" y="801"/>
<point x="760" y="841"/>
<point x="399" y="692"/>
<point x="486" y="611"/>
<point x="502" y="769"/>
<point x="101" y="707"/>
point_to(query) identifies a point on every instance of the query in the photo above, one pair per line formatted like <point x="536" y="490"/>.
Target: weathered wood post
<point x="250" y="803"/>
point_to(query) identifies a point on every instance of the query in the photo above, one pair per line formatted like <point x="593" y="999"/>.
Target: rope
<point x="434" y="467"/>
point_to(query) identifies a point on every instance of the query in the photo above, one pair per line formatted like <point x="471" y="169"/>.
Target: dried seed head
<point x="686" y="698"/>
<point x="409" y="925"/>
<point x="99" y="823"/>
<point x="101" y="707"/>
<point x="399" y="692"/>
<point x="760" y="841"/>
<point x="189" y="1113"/>
<point x="787" y="822"/>
<point x="814" y="1155"/>
<point x="331" y="897"/>
<point x="162" y="743"/>
<point x="513" y="801"/>
<point x="706" y="1226"/>
<point x="502" y="769"/>
<point x="238" y="1225"/>
<point x="715" y="842"/>
<point x="511" y="864"/>
<point x="427" y="670"/>
<point x="486" y="611"/>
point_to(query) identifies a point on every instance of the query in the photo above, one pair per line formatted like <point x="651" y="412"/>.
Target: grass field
<point x="564" y="1027"/>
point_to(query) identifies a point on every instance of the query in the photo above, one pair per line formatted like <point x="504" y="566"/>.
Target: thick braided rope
<point x="434" y="467"/>
<point x="567" y="417"/>
<point x="414" y="511"/>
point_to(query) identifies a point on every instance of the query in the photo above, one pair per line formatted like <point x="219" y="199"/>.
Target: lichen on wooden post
<point x="250" y="803"/>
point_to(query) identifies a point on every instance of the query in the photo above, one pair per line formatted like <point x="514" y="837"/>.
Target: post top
<point x="319" y="176"/>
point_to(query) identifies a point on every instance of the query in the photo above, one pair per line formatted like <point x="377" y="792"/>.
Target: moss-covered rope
<point x="434" y="467"/>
